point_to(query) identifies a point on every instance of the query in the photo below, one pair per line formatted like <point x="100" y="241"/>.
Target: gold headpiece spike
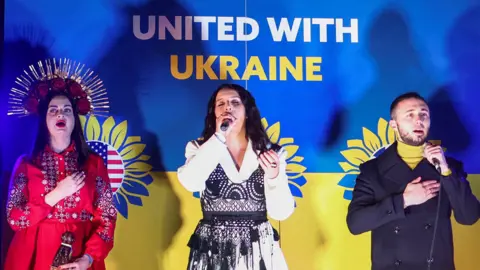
<point x="18" y="91"/>
<point x="28" y="75"/>
<point x="69" y="68"/>
<point x="87" y="74"/>
<point x="17" y="112"/>
<point x="42" y="70"/>
<point x="14" y="100"/>
<point x="64" y="67"/>
<point x="96" y="103"/>
<point x="55" y="67"/>
<point x="21" y="83"/>
<point x="101" y="99"/>
<point x="13" y="94"/>
<point x="89" y="79"/>
<point x="98" y="94"/>
<point x="70" y="65"/>
<point x="61" y="67"/>
<point x="48" y="64"/>
<point x="26" y="80"/>
<point x="95" y="85"/>
<point x="34" y="72"/>
<point x="97" y="88"/>
<point x="80" y="70"/>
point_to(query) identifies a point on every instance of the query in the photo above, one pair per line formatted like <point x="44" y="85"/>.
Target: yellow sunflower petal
<point x="284" y="141"/>
<point x="132" y="151"/>
<point x="83" y="120"/>
<point x="347" y="166"/>
<point x="93" y="129"/>
<point x="118" y="135"/>
<point x="134" y="174"/>
<point x="371" y="140"/>
<point x="295" y="176"/>
<point x="133" y="139"/>
<point x="291" y="150"/>
<point x="295" y="168"/>
<point x="297" y="159"/>
<point x="143" y="158"/>
<point x="138" y="167"/>
<point x="273" y="132"/>
<point x="355" y="156"/>
<point x="382" y="130"/>
<point x="355" y="144"/>
<point x="264" y="123"/>
<point x="107" y="128"/>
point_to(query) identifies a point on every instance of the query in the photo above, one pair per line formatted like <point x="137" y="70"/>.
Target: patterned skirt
<point x="235" y="243"/>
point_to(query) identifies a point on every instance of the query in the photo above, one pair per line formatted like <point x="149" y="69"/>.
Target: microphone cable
<point x="430" y="258"/>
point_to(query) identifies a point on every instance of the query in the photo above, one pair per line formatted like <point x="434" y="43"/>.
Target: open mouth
<point x="61" y="123"/>
<point x="228" y="117"/>
<point x="418" y="132"/>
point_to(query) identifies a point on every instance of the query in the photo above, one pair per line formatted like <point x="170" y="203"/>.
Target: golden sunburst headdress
<point x="62" y="75"/>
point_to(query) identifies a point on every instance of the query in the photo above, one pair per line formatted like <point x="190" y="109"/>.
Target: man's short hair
<point x="403" y="97"/>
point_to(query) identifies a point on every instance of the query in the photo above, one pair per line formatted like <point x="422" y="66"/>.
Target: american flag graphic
<point x="112" y="160"/>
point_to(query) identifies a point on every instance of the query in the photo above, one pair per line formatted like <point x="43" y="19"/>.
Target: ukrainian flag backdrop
<point x="323" y="74"/>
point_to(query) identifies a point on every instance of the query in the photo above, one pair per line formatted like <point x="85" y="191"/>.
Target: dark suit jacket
<point x="401" y="238"/>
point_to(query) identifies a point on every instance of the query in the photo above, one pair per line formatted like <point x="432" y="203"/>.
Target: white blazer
<point x="202" y="160"/>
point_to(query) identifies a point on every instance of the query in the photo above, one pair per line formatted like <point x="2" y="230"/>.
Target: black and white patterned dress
<point x="234" y="233"/>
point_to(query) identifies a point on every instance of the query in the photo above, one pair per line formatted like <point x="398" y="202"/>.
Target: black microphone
<point x="436" y="163"/>
<point x="225" y="124"/>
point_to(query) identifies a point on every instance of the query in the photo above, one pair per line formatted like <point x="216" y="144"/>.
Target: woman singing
<point x="242" y="178"/>
<point x="61" y="186"/>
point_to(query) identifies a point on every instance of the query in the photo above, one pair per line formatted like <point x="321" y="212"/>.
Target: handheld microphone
<point x="225" y="124"/>
<point x="273" y="164"/>
<point x="436" y="163"/>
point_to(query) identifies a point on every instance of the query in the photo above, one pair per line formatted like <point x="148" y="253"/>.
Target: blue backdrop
<point x="427" y="46"/>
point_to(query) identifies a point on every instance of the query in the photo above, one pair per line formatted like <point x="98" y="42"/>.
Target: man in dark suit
<point x="397" y="195"/>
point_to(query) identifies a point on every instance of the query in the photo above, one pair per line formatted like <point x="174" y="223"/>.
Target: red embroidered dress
<point x="89" y="213"/>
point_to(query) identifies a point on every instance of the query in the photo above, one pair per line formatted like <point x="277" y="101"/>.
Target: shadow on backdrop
<point x="463" y="52"/>
<point x="446" y="125"/>
<point x="24" y="47"/>
<point x="133" y="71"/>
<point x="398" y="67"/>
<point x="337" y="121"/>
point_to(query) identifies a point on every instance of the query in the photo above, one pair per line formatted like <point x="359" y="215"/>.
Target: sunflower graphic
<point x="294" y="169"/>
<point x="360" y="151"/>
<point x="127" y="166"/>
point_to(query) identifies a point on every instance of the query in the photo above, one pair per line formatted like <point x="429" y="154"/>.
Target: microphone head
<point x="225" y="124"/>
<point x="436" y="163"/>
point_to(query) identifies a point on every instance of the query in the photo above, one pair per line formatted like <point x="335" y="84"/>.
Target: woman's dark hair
<point x="43" y="135"/>
<point x="253" y="122"/>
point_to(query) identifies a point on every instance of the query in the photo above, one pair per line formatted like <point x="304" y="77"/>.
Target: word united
<point x="243" y="28"/>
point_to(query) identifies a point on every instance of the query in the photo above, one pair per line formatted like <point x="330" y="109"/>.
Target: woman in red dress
<point x="61" y="186"/>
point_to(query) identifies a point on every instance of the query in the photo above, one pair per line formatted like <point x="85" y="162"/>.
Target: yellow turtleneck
<point x="412" y="155"/>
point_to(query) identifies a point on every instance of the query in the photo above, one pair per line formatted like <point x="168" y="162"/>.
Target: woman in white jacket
<point x="242" y="178"/>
